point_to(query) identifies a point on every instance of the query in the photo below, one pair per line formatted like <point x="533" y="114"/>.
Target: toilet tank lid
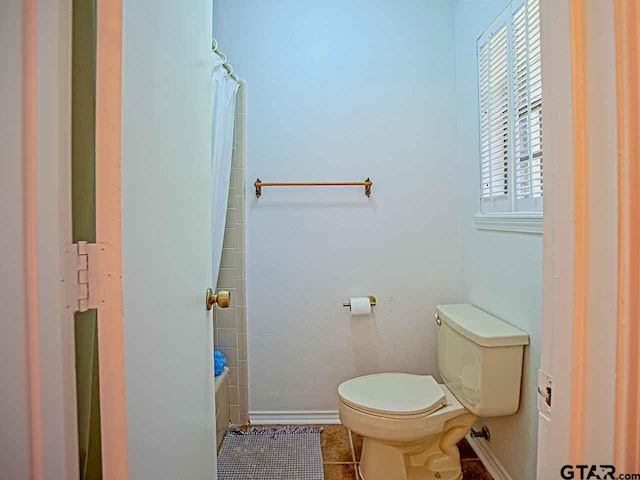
<point x="480" y="327"/>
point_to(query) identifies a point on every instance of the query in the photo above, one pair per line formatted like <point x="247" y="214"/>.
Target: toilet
<point x="411" y="423"/>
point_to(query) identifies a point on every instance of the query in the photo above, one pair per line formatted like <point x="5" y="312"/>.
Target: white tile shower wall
<point x="342" y="91"/>
<point x="230" y="323"/>
<point x="501" y="272"/>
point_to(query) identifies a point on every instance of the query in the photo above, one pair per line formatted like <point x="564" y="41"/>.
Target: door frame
<point x="47" y="223"/>
<point x="108" y="231"/>
<point x="627" y="417"/>
<point x="46" y="132"/>
<point x="553" y="436"/>
<point x="588" y="247"/>
<point x="46" y="135"/>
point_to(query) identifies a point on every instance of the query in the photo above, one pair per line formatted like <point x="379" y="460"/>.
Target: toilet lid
<point x="393" y="394"/>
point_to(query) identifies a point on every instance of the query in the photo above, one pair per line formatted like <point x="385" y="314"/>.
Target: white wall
<point x="14" y="376"/>
<point x="501" y="272"/>
<point x="341" y="91"/>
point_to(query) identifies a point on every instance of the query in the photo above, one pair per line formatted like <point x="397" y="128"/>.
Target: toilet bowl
<point x="402" y="443"/>
<point x="411" y="423"/>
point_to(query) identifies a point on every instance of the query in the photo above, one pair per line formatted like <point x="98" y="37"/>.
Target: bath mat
<point x="282" y="453"/>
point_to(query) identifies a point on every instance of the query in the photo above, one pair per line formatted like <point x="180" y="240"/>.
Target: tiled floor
<point x="341" y="456"/>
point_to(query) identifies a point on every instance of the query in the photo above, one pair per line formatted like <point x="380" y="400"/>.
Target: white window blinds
<point x="510" y="95"/>
<point x="493" y="59"/>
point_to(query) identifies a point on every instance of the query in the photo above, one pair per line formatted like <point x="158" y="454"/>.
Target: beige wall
<point x="231" y="323"/>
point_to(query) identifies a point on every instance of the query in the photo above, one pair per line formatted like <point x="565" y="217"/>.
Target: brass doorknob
<point x="221" y="298"/>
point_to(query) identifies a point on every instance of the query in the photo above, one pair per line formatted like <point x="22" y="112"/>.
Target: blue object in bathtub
<point x="219" y="361"/>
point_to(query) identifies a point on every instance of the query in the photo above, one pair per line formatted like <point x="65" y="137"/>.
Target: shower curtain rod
<point x="227" y="67"/>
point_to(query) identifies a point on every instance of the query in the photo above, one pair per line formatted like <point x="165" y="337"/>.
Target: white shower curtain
<point x="224" y="109"/>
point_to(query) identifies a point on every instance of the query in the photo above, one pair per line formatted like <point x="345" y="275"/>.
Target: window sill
<point x="510" y="222"/>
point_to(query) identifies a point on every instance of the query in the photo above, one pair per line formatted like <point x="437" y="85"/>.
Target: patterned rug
<point x="282" y="453"/>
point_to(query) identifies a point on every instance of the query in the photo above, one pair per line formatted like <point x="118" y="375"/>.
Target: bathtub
<point x="223" y="412"/>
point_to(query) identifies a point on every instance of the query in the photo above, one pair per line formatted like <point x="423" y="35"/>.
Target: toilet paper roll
<point x="360" y="306"/>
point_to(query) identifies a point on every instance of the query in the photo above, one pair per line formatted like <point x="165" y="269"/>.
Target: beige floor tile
<point x="474" y="470"/>
<point x="465" y="449"/>
<point x="335" y="444"/>
<point x="357" y="445"/>
<point x="339" y="471"/>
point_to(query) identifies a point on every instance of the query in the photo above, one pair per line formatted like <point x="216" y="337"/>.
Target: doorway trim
<point x="108" y="231"/>
<point x="627" y="418"/>
<point x="587" y="232"/>
<point x="46" y="131"/>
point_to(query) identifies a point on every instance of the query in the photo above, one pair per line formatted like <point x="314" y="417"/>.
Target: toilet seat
<point x="393" y="394"/>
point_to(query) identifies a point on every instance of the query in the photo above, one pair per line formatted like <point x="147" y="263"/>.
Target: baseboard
<point x="294" y="417"/>
<point x="488" y="458"/>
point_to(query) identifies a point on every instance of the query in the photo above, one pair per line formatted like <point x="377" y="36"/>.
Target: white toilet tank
<point x="480" y="359"/>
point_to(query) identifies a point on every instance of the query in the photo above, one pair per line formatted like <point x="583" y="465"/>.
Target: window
<point x="510" y="94"/>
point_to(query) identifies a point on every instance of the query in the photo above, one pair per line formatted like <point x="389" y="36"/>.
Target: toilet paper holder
<point x="372" y="301"/>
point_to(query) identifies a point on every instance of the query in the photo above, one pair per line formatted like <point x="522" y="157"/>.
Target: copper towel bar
<point x="259" y="184"/>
